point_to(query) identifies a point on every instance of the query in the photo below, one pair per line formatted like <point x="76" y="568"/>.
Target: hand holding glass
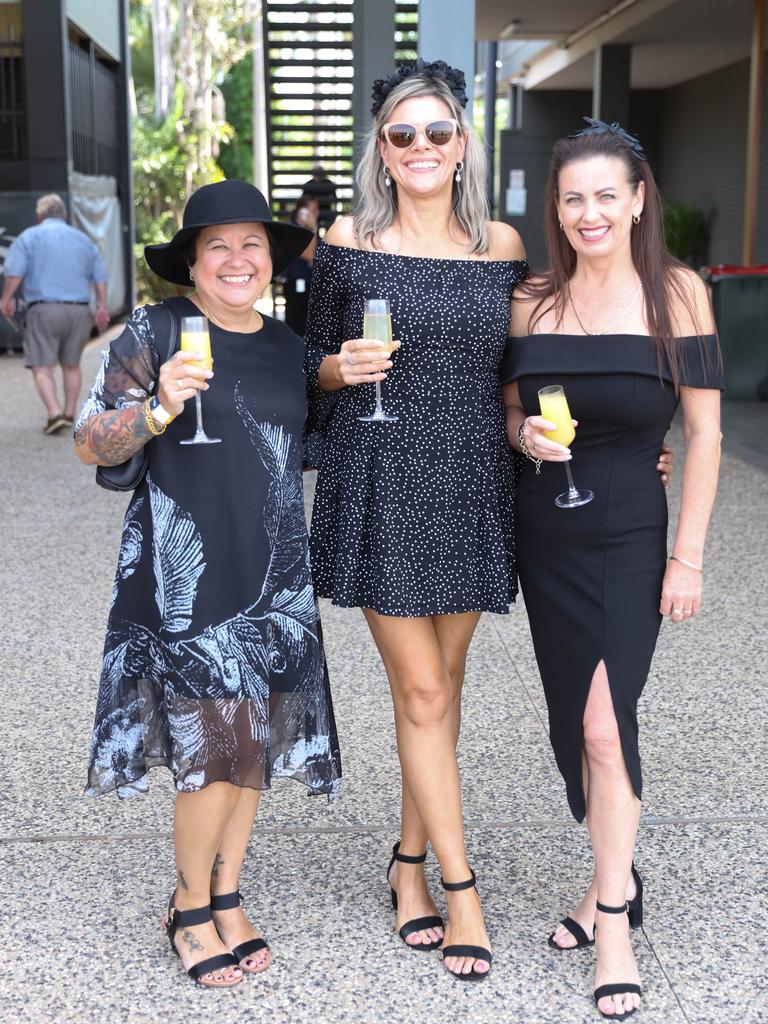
<point x="377" y="326"/>
<point x="195" y="337"/>
<point x="554" y="407"/>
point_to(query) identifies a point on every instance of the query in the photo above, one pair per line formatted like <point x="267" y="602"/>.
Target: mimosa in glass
<point x="195" y="337"/>
<point x="554" y="407"/>
<point x="377" y="326"/>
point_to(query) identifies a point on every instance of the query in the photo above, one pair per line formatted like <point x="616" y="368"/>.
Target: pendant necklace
<point x="616" y="322"/>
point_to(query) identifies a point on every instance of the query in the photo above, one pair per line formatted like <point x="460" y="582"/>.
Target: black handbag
<point x="127" y="476"/>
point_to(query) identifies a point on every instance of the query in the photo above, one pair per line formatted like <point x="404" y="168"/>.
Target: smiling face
<point x="422" y="169"/>
<point x="233" y="264"/>
<point x="596" y="204"/>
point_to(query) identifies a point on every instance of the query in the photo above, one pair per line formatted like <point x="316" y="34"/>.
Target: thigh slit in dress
<point x="591" y="576"/>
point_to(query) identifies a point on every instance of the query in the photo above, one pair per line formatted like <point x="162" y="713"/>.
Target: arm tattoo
<point x="192" y="941"/>
<point x="183" y="881"/>
<point x="218" y="861"/>
<point x="114" y="435"/>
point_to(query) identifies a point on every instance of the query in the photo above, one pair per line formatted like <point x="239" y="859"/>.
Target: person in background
<point x="58" y="265"/>
<point x="321" y="188"/>
<point x="298" y="276"/>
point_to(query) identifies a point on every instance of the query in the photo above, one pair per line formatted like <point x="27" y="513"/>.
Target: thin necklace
<point x="209" y="317"/>
<point x="615" y="323"/>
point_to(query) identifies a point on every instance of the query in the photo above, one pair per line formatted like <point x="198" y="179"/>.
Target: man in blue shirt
<point x="58" y="265"/>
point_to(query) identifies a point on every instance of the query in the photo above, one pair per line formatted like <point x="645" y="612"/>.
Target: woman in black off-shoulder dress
<point x="413" y="520"/>
<point x="627" y="332"/>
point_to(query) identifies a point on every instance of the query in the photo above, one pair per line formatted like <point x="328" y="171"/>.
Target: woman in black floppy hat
<point x="213" y="661"/>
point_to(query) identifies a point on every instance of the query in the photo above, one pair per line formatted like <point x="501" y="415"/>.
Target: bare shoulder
<point x="506" y="243"/>
<point x="691" y="303"/>
<point x="523" y="305"/>
<point x="342" y="232"/>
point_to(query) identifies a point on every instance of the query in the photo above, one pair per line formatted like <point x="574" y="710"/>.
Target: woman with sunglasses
<point x="412" y="519"/>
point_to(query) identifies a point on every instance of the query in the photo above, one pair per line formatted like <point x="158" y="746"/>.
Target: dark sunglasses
<point x="438" y="133"/>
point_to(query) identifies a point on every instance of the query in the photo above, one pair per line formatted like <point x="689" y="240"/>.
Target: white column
<point x="447" y="32"/>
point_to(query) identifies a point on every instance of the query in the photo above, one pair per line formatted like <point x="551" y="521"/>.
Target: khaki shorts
<point x="56" y="332"/>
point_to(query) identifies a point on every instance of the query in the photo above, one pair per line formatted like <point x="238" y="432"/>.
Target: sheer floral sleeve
<point x="128" y="369"/>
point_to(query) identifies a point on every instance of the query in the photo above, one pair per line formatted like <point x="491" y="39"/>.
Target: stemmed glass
<point x="195" y="337"/>
<point x="377" y="326"/>
<point x="554" y="407"/>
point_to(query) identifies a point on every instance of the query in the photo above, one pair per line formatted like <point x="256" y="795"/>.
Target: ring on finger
<point x="350" y="360"/>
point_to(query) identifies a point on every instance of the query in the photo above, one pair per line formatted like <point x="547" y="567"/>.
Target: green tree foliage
<point x="174" y="155"/>
<point x="236" y="156"/>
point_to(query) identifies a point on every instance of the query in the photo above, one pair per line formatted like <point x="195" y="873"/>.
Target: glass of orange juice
<point x="554" y="407"/>
<point x="196" y="337"/>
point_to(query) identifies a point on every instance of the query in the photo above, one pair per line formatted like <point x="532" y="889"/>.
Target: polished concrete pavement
<point x="84" y="880"/>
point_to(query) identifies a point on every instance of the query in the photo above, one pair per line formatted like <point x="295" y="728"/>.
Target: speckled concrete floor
<point x="84" y="880"/>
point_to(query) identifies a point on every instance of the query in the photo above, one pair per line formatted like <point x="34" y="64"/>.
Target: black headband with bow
<point x="436" y="69"/>
<point x="596" y="127"/>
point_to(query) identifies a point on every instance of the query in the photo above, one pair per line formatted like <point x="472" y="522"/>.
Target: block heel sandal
<point x="615" y="988"/>
<point x="228" y="901"/>
<point x="478" y="952"/>
<point x="418" y="924"/>
<point x="176" y="919"/>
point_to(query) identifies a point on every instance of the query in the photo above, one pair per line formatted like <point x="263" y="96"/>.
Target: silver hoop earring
<point x="191" y="276"/>
<point x="387" y="179"/>
<point x="459" y="169"/>
<point x="561" y="225"/>
<point x="635" y="218"/>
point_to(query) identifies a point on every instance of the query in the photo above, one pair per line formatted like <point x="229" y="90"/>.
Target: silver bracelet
<point x="524" y="447"/>
<point x="683" y="561"/>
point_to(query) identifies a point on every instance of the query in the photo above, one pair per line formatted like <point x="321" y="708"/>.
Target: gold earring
<point x="635" y="218"/>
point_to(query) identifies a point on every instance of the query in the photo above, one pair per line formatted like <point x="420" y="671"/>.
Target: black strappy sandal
<point x="228" y="901"/>
<point x="418" y="924"/>
<point x="634" y="912"/>
<point x="478" y="952"/>
<point x="615" y="988"/>
<point x="188" y="919"/>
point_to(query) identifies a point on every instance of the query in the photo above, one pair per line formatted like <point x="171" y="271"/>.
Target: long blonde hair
<point x="377" y="209"/>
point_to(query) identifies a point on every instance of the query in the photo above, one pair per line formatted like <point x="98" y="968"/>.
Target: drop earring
<point x="191" y="276"/>
<point x="561" y="225"/>
<point x="635" y="218"/>
<point x="387" y="179"/>
<point x="459" y="169"/>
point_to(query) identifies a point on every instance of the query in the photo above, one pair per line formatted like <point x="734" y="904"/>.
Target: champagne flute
<point x="554" y="407"/>
<point x="195" y="337"/>
<point x="377" y="326"/>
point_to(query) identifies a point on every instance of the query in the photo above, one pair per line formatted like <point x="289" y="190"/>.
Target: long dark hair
<point x="655" y="265"/>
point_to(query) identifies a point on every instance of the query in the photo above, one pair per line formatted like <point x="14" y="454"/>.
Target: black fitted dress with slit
<point x="591" y="576"/>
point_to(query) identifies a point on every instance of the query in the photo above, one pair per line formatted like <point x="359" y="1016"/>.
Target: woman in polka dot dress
<point x="413" y="519"/>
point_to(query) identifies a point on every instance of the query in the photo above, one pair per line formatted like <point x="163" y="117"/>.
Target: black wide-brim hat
<point x="226" y="202"/>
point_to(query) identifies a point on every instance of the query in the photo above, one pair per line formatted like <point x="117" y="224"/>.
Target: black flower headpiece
<point x="436" y="69"/>
<point x="600" y="128"/>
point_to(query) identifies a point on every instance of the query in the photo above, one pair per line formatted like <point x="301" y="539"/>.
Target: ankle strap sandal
<point x="228" y="901"/>
<point x="477" y="952"/>
<point x="418" y="924"/>
<point x="615" y="988"/>
<point x="188" y="919"/>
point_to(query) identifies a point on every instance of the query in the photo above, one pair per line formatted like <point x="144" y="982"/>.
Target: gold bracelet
<point x="682" y="561"/>
<point x="150" y="419"/>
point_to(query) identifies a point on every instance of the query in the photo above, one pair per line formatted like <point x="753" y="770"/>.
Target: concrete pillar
<point x="447" y="32"/>
<point x="374" y="49"/>
<point x="610" y="90"/>
<point x="48" y="135"/>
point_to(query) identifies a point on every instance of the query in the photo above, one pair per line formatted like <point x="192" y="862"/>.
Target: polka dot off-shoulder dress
<point x="415" y="517"/>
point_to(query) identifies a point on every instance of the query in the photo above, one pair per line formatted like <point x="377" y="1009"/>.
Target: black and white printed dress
<point x="415" y="517"/>
<point x="213" y="661"/>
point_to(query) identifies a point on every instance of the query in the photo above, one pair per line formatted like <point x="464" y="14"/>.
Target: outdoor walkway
<point x="84" y="881"/>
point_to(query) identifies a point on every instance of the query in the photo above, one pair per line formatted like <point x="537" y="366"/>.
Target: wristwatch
<point x="160" y="414"/>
